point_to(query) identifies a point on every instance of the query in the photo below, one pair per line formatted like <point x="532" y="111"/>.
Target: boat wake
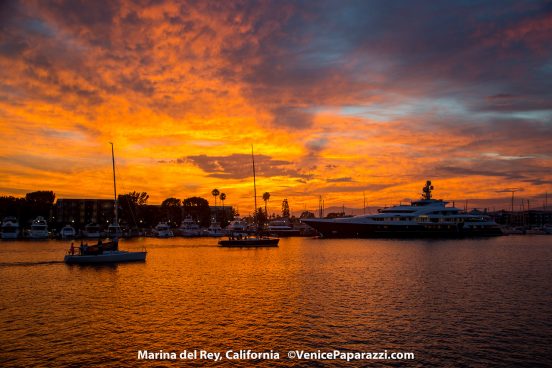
<point x="28" y="264"/>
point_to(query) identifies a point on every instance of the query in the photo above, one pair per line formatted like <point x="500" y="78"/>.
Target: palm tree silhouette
<point x="215" y="192"/>
<point x="222" y="198"/>
<point x="266" y="197"/>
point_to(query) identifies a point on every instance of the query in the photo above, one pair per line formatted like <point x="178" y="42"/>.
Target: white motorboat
<point x="68" y="232"/>
<point x="163" y="230"/>
<point x="189" y="228"/>
<point x="39" y="229"/>
<point x="214" y="230"/>
<point x="237" y="226"/>
<point x="282" y="227"/>
<point x="10" y="228"/>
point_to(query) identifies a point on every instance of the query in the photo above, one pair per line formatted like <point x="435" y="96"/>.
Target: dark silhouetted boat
<point x="249" y="241"/>
<point x="104" y="252"/>
<point x="240" y="241"/>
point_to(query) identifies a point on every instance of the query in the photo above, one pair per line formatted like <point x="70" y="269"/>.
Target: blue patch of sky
<point x="36" y="25"/>
<point x="336" y="30"/>
<point x="384" y="112"/>
<point x="546" y="67"/>
<point x="544" y="116"/>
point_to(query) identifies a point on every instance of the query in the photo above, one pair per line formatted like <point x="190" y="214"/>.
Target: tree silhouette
<point x="132" y="206"/>
<point x="171" y="206"/>
<point x="40" y="203"/>
<point x="215" y="192"/>
<point x="260" y="218"/>
<point x="266" y="197"/>
<point x="224" y="220"/>
<point x="285" y="208"/>
<point x="198" y="208"/>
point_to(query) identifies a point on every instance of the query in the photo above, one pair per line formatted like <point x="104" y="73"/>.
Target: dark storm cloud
<point x="291" y="117"/>
<point x="528" y="170"/>
<point x="93" y="19"/>
<point x="509" y="136"/>
<point x="238" y="166"/>
<point x="345" y="53"/>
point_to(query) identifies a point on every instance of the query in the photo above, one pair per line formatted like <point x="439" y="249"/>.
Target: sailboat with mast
<point x="107" y="252"/>
<point x="114" y="230"/>
<point x="240" y="241"/>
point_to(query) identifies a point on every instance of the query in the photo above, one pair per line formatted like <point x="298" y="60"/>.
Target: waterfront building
<point x="79" y="212"/>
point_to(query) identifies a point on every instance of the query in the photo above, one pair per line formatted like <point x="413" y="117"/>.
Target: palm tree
<point x="222" y="198"/>
<point x="215" y="192"/>
<point x="266" y="197"/>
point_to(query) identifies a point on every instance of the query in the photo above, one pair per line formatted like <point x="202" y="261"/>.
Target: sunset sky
<point x="339" y="98"/>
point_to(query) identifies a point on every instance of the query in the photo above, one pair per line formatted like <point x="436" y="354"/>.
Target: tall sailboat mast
<point x="254" y="182"/>
<point x="116" y="220"/>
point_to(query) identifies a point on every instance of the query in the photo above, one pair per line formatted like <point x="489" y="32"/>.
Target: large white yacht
<point x="163" y="230"/>
<point x="10" y="228"/>
<point x="423" y="218"/>
<point x="39" y="229"/>
<point x="189" y="228"/>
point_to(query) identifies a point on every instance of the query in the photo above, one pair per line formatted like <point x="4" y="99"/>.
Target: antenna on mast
<point x="254" y="181"/>
<point x="427" y="190"/>
<point x="116" y="220"/>
<point x="510" y="190"/>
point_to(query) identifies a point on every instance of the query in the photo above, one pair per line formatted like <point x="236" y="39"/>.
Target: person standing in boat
<point x="100" y="247"/>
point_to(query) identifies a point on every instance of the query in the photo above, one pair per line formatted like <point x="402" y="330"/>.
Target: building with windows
<point x="79" y="212"/>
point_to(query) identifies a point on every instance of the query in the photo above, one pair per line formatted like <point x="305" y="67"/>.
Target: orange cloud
<point x="330" y="108"/>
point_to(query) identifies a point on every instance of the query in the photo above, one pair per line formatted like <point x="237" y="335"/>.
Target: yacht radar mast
<point x="427" y="190"/>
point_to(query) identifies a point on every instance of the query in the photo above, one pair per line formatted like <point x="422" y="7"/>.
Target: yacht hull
<point x="335" y="229"/>
<point x="9" y="236"/>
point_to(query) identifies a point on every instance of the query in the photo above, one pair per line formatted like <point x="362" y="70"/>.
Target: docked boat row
<point x="11" y="229"/>
<point x="189" y="228"/>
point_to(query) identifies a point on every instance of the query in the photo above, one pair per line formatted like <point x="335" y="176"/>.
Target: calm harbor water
<point x="485" y="302"/>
